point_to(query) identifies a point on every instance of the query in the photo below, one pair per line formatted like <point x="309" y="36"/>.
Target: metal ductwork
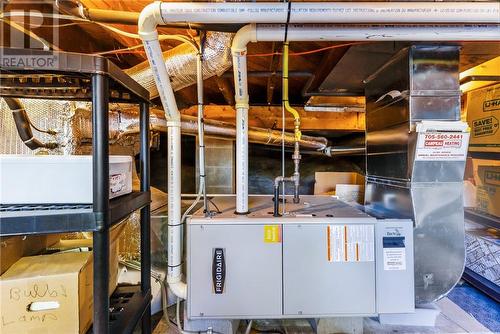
<point x="416" y="150"/>
<point x="74" y="128"/>
<point x="125" y="123"/>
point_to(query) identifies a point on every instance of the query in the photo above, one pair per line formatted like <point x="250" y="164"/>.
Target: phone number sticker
<point x="442" y="146"/>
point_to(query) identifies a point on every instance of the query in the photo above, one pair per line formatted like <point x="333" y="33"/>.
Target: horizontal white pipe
<point x="299" y="32"/>
<point x="331" y="12"/>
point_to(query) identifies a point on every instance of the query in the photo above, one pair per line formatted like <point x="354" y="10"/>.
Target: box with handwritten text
<point x="47" y="294"/>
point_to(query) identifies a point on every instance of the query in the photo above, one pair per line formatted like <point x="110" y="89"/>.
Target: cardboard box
<point x="86" y="244"/>
<point x="14" y="248"/>
<point x="488" y="189"/>
<point x="348" y="186"/>
<point x="483" y="116"/>
<point x="59" y="285"/>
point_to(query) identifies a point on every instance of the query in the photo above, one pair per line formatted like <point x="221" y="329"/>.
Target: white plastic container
<point x="58" y="179"/>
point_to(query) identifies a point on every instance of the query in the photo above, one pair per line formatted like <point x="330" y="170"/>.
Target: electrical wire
<point x="302" y="53"/>
<point x="43" y="15"/>
<point x="181" y="38"/>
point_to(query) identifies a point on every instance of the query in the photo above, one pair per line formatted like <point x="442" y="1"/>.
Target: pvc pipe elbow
<point x="178" y="288"/>
<point x="244" y="36"/>
<point x="149" y="18"/>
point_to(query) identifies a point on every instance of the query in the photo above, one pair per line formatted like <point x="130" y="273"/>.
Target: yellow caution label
<point x="272" y="233"/>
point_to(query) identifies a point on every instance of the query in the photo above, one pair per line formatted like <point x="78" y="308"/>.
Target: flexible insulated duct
<point x="181" y="63"/>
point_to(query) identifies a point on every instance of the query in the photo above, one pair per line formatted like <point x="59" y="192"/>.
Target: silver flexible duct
<point x="181" y="63"/>
<point x="125" y="123"/>
<point x="73" y="123"/>
<point x="58" y="115"/>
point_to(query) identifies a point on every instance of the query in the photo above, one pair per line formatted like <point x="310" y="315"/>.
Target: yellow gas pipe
<point x="286" y="103"/>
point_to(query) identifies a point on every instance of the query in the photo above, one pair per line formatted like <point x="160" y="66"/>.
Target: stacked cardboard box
<point x="51" y="293"/>
<point x="487" y="180"/>
<point x="483" y="116"/>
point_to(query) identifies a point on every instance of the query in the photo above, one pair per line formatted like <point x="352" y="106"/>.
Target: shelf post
<point x="145" y="215"/>
<point x="100" y="171"/>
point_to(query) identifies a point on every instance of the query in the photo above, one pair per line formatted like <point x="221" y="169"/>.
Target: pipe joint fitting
<point x="149" y="18"/>
<point x="242" y="104"/>
<point x="244" y="36"/>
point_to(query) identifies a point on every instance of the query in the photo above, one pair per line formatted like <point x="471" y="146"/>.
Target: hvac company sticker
<point x="272" y="233"/>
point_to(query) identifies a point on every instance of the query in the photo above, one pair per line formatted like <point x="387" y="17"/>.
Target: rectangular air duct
<point x="416" y="151"/>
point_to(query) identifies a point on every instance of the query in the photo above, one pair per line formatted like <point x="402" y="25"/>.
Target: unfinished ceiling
<point x="317" y="69"/>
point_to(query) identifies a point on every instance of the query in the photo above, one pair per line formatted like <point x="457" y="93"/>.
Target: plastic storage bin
<point x="58" y="179"/>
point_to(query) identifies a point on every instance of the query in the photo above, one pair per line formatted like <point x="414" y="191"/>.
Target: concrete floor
<point x="452" y="319"/>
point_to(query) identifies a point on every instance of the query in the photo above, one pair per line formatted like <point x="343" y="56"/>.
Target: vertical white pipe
<point x="174" y="209"/>
<point x="239" y="52"/>
<point x="148" y="20"/>
<point x="201" y="129"/>
<point x="241" y="160"/>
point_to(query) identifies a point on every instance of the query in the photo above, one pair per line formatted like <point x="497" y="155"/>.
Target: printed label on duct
<point x="218" y="271"/>
<point x="350" y="243"/>
<point x="442" y="146"/>
<point x="394" y="253"/>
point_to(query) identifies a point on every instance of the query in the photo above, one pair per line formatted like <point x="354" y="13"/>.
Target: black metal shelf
<point x="65" y="218"/>
<point x="482" y="218"/>
<point x="73" y="76"/>
<point x="479" y="282"/>
<point x="127" y="306"/>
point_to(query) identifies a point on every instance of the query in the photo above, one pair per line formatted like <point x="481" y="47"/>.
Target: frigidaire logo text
<point x="491" y="105"/>
<point x="218" y="270"/>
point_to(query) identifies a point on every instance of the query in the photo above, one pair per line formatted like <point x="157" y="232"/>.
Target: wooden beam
<point x="269" y="117"/>
<point x="273" y="66"/>
<point x="226" y="89"/>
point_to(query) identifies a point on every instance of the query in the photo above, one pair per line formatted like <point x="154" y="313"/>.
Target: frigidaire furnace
<point x="324" y="258"/>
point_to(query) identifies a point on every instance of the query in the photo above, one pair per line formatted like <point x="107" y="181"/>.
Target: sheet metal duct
<point x="419" y="84"/>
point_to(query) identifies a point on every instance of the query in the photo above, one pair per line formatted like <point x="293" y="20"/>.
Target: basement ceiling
<point x="316" y="68"/>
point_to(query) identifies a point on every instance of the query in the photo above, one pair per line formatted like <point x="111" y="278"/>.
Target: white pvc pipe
<point x="325" y="32"/>
<point x="331" y="12"/>
<point x="239" y="51"/>
<point x="148" y="20"/>
<point x="343" y="12"/>
<point x="201" y="130"/>
<point x="174" y="273"/>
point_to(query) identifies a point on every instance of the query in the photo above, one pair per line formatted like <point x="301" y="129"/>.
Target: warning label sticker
<point x="394" y="253"/>
<point x="272" y="233"/>
<point x="350" y="243"/>
<point x="394" y="259"/>
<point x="442" y="146"/>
